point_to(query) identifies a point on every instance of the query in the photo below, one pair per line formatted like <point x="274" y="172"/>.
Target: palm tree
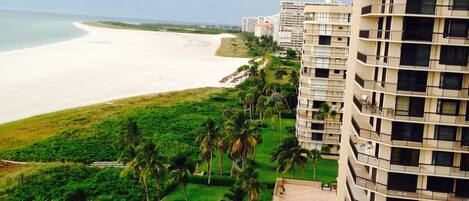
<point x="250" y="100"/>
<point x="236" y="193"/>
<point x="253" y="69"/>
<point x="288" y="155"/>
<point x="248" y="180"/>
<point x="233" y="126"/>
<point x="315" y="156"/>
<point x="222" y="146"/>
<point x="279" y="73"/>
<point x="261" y="106"/>
<point x="207" y="140"/>
<point x="244" y="142"/>
<point x="242" y="98"/>
<point x="325" y="113"/>
<point x="279" y="102"/>
<point x="294" y="80"/>
<point x="182" y="167"/>
<point x="153" y="164"/>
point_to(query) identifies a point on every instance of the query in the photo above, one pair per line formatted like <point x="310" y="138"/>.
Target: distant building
<point x="249" y="23"/>
<point x="275" y="21"/>
<point x="263" y="29"/>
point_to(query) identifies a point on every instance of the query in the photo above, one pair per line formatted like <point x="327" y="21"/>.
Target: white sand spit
<point x="107" y="64"/>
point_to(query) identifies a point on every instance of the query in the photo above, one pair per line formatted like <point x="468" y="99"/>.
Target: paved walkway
<point x="298" y="190"/>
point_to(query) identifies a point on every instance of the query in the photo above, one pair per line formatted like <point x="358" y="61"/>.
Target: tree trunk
<point x="210" y="166"/>
<point x="314" y="171"/>
<point x="250" y="110"/>
<point x="145" y="188"/>
<point x="185" y="193"/>
<point x="220" y="163"/>
<point x="232" y="168"/>
<point x="280" y="121"/>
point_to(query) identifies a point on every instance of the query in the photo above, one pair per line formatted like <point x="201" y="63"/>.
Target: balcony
<point x="390" y="113"/>
<point x="395" y="63"/>
<point x="330" y="76"/>
<point x="323" y="86"/>
<point x="334" y="140"/>
<point x="364" y="153"/>
<point x="413" y="10"/>
<point x="333" y="131"/>
<point x="330" y="54"/>
<point x="327" y="33"/>
<point x="315" y="63"/>
<point x="343" y="44"/>
<point x="426" y="143"/>
<point x="310" y="108"/>
<point x="430" y="91"/>
<point x="339" y="20"/>
<point x="418" y="37"/>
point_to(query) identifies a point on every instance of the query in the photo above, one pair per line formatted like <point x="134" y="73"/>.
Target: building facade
<point x="263" y="29"/>
<point x="323" y="74"/>
<point x="249" y="23"/>
<point x="290" y="35"/>
<point x="275" y="21"/>
<point x="406" y="117"/>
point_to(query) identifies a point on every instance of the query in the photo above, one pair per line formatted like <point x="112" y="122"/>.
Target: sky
<point x="201" y="11"/>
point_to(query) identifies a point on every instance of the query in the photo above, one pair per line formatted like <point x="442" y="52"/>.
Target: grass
<point x="166" y="27"/>
<point x="32" y="130"/>
<point x="233" y="47"/>
<point x="197" y="192"/>
<point x="278" y="63"/>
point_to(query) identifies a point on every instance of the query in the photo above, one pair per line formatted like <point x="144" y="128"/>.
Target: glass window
<point x="402" y="156"/>
<point x="402" y="105"/>
<point x="451" y="81"/>
<point x="410" y="106"/>
<point x="445" y="133"/>
<point x="407" y="131"/>
<point x="415" y="54"/>
<point x="316" y="136"/>
<point x="402" y="182"/>
<point x="456" y="28"/>
<point x="464" y="162"/>
<point x="465" y="136"/>
<point x="461" y="188"/>
<point x="443" y="158"/>
<point x="460" y="5"/>
<point x="323" y="73"/>
<point x="412" y="80"/>
<point x="318" y="104"/>
<point x="454" y="55"/>
<point x="440" y="184"/>
<point x="317" y="126"/>
<point x="324" y="40"/>
<point x="448" y="107"/>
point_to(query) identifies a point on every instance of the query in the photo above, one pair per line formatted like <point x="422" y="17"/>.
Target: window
<point x="318" y="104"/>
<point x="410" y="106"/>
<point x="465" y="136"/>
<point x="445" y="133"/>
<point x="415" y="54"/>
<point x="336" y="71"/>
<point x="454" y="55"/>
<point x="440" y="184"/>
<point x="324" y="40"/>
<point x="441" y="158"/>
<point x="464" y="162"/>
<point x="418" y="29"/>
<point x="421" y="7"/>
<point x="407" y="131"/>
<point x="316" y="136"/>
<point x="323" y="73"/>
<point x="402" y="182"/>
<point x="448" y="107"/>
<point x="322" y="62"/>
<point x="339" y="39"/>
<point x="451" y="81"/>
<point x="460" y="5"/>
<point x="412" y="80"/>
<point x="402" y="156"/>
<point x="456" y="28"/>
<point x="317" y="126"/>
<point x="325" y="29"/>
<point x="461" y="188"/>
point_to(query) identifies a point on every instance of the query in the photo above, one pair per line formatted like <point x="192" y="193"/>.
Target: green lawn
<point x="233" y="47"/>
<point x="197" y="192"/>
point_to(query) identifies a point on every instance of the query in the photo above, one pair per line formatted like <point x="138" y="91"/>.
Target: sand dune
<point x="104" y="65"/>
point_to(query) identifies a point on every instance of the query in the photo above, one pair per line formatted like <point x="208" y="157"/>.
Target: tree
<point x="288" y="155"/>
<point x="279" y="73"/>
<point x="152" y="161"/>
<point x="236" y="193"/>
<point x="261" y="106"/>
<point x="294" y="80"/>
<point x="250" y="100"/>
<point x="244" y="142"/>
<point x="325" y="113"/>
<point x="253" y="69"/>
<point x="291" y="54"/>
<point x="182" y="167"/>
<point x="315" y="156"/>
<point x="242" y="98"/>
<point x="207" y="141"/>
<point x="247" y="179"/>
<point x="222" y="146"/>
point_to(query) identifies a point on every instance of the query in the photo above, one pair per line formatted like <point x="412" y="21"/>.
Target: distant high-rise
<point x="249" y="23"/>
<point x="322" y="80"/>
<point x="406" y="117"/>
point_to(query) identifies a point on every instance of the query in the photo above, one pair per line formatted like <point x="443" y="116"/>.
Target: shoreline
<point x="189" y="52"/>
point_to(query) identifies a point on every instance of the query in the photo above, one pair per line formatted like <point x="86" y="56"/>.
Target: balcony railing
<point x="389" y="87"/>
<point x="327" y="33"/>
<point x="391" y="113"/>
<point x="395" y="62"/>
<point x="330" y="98"/>
<point x="408" y="9"/>
<point x="332" y="43"/>
<point x="334" y="131"/>
<point x="318" y="64"/>
<point x="340" y="55"/>
<point x="325" y="140"/>
<point x="433" y="37"/>
<point x="429" y="143"/>
<point x="338" y="77"/>
<point x="328" y="19"/>
<point x="364" y="155"/>
<point x="310" y="107"/>
<point x="323" y="86"/>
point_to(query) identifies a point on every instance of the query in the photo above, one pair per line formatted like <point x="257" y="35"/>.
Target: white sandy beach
<point x="107" y="64"/>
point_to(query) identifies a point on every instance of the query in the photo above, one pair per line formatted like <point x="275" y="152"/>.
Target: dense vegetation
<point x="260" y="46"/>
<point x="233" y="47"/>
<point x="241" y="138"/>
<point x="179" y="28"/>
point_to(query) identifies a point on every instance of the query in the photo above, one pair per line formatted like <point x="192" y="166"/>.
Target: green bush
<point x="215" y="180"/>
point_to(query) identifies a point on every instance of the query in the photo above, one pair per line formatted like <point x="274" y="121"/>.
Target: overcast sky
<point x="205" y="11"/>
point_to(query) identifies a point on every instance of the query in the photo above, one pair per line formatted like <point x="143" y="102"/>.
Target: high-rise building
<point x="292" y="17"/>
<point x="249" y="23"/>
<point x="263" y="29"/>
<point x="406" y="118"/>
<point x="275" y="21"/>
<point x="322" y="79"/>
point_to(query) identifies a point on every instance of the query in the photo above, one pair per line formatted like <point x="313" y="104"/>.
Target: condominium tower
<point x="249" y="23"/>
<point x="322" y="79"/>
<point x="406" y="118"/>
<point x="290" y="35"/>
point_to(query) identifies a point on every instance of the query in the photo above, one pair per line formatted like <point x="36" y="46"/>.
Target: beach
<point x="104" y="65"/>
